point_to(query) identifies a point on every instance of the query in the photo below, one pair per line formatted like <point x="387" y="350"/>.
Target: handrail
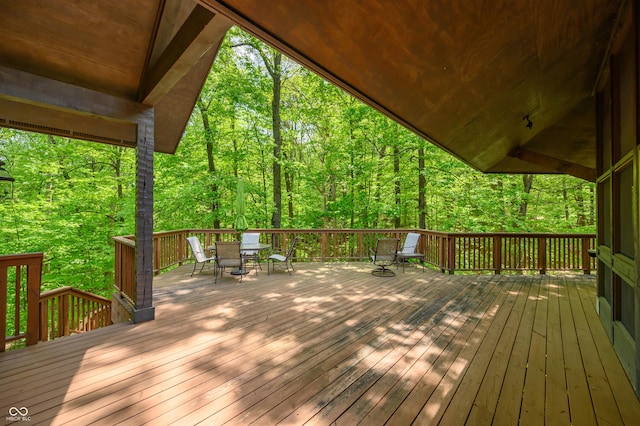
<point x="499" y="252"/>
<point x="125" y="267"/>
<point x="447" y="251"/>
<point x="64" y="311"/>
<point x="24" y="272"/>
<point x="48" y="315"/>
<point x="67" y="310"/>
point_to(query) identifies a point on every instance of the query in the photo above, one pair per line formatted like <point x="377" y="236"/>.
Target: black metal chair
<point x="384" y="256"/>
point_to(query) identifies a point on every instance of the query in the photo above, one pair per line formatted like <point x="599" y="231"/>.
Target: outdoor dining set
<point x="238" y="255"/>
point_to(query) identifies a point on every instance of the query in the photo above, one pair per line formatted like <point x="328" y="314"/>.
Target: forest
<point x="309" y="154"/>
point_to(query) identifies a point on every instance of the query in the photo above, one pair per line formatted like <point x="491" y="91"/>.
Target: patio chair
<point x="251" y="255"/>
<point x="283" y="259"/>
<point x="228" y="256"/>
<point x="198" y="254"/>
<point x="384" y="256"/>
<point x="408" y="250"/>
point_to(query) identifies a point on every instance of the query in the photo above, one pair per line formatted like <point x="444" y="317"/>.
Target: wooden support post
<point x="34" y="282"/>
<point x="497" y="254"/>
<point x="3" y="307"/>
<point x="542" y="255"/>
<point x="452" y="255"/>
<point x="63" y="315"/>
<point x="443" y="254"/>
<point x="144" y="310"/>
<point x="157" y="252"/>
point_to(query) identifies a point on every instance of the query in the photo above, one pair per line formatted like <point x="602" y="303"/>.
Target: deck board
<point x="534" y="392"/>
<point x="510" y="400"/>
<point x="333" y="344"/>
<point x="556" y="401"/>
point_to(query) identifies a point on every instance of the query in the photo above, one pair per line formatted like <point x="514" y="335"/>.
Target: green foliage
<point x="337" y="163"/>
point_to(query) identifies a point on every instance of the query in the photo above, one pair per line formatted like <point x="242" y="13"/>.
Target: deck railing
<point x="67" y="310"/>
<point x="20" y="278"/>
<point x="64" y="311"/>
<point x="28" y="316"/>
<point x="448" y="252"/>
<point x="498" y="252"/>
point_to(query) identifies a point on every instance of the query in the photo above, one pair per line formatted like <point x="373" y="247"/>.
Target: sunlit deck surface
<point x="332" y="343"/>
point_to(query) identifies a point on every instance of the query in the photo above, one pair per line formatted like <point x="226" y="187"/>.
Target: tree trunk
<point x="422" y="184"/>
<point x="592" y="204"/>
<point x="234" y="141"/>
<point x="116" y="163"/>
<point x="276" y="218"/>
<point x="352" y="176"/>
<point x="497" y="186"/>
<point x="397" y="188"/>
<point x="377" y="195"/>
<point x="581" y="218"/>
<point x="527" y="183"/>
<point x="565" y="199"/>
<point x="288" y="182"/>
<point x="208" y="137"/>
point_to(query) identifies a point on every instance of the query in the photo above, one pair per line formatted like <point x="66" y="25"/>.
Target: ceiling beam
<point x="555" y="164"/>
<point x="29" y="88"/>
<point x="201" y="31"/>
<point x="34" y="103"/>
<point x="66" y="123"/>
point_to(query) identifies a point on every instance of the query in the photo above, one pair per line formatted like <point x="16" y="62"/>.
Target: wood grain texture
<point x="332" y="343"/>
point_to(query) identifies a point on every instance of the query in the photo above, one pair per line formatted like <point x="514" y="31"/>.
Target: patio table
<point x="245" y="246"/>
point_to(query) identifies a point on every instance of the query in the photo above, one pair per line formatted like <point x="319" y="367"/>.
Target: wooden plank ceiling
<point x="81" y="68"/>
<point x="463" y="74"/>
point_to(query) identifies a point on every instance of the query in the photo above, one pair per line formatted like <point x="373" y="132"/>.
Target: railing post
<point x="157" y="256"/>
<point x="34" y="280"/>
<point x="452" y="254"/>
<point x="3" y="307"/>
<point x="586" y="259"/>
<point x="542" y="254"/>
<point x="44" y="324"/>
<point x="63" y="315"/>
<point x="443" y="254"/>
<point x="497" y="254"/>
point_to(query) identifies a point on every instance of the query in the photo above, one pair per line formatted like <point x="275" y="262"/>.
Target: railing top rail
<point x="129" y="238"/>
<point x="517" y="234"/>
<point x="74" y="291"/>
<point x="20" y="259"/>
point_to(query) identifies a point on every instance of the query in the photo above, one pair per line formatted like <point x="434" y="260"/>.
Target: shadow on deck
<point x="332" y="343"/>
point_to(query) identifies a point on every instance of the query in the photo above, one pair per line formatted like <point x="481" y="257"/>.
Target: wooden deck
<point x="332" y="343"/>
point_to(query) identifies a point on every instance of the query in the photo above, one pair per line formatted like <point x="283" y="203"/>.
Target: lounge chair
<point x="198" y="254"/>
<point x="409" y="250"/>
<point x="251" y="255"/>
<point x="283" y="259"/>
